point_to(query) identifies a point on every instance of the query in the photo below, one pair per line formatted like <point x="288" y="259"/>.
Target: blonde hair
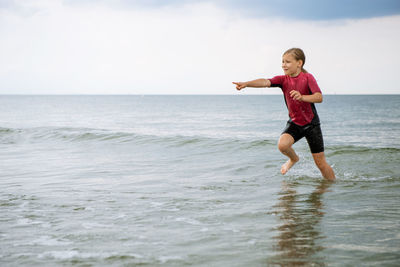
<point x="298" y="54"/>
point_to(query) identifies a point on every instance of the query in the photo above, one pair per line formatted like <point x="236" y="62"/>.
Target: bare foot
<point x="286" y="167"/>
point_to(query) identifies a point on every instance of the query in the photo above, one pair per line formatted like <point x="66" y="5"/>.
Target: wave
<point x="356" y="150"/>
<point x="48" y="133"/>
<point x="82" y="135"/>
<point x="70" y="134"/>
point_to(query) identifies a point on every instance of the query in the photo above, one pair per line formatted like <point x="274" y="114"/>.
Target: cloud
<point x="196" y="48"/>
<point x="288" y="9"/>
<point x="320" y="10"/>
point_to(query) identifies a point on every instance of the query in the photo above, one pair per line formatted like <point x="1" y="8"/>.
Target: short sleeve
<point x="312" y="84"/>
<point x="277" y="81"/>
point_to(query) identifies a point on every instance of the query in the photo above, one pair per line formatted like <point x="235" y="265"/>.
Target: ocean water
<point x="195" y="180"/>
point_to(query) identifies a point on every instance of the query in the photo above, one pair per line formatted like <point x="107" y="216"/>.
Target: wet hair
<point x="298" y="54"/>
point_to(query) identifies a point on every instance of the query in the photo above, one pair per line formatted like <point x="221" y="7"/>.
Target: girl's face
<point x="291" y="66"/>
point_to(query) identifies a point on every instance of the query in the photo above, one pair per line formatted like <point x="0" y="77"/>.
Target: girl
<point x="301" y="91"/>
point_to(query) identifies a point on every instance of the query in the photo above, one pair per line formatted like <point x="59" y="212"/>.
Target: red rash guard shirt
<point x="301" y="113"/>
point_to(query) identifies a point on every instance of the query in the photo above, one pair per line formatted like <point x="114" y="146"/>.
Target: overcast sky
<point x="194" y="47"/>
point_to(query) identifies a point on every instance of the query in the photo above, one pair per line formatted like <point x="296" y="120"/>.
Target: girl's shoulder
<point x="309" y="76"/>
<point x="278" y="79"/>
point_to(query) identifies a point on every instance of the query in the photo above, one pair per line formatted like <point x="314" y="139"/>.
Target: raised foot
<point x="286" y="167"/>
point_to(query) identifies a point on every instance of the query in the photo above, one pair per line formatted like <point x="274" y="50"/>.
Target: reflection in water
<point x="300" y="214"/>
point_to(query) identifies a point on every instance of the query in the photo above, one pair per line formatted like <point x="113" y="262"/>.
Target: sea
<point x="194" y="180"/>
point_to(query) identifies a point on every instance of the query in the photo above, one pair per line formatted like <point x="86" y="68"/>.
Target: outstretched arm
<point x="255" y="83"/>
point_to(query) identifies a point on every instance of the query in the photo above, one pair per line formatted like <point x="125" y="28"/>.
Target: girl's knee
<point x="285" y="142"/>
<point x="283" y="147"/>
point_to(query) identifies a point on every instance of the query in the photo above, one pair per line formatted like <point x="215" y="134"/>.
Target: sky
<point x="195" y="47"/>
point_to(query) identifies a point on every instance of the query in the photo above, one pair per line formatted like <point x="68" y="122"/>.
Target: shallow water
<point x="194" y="180"/>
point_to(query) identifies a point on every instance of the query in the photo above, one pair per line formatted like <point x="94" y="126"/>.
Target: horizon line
<point x="238" y="94"/>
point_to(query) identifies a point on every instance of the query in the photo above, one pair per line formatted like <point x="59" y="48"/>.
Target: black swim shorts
<point x="311" y="131"/>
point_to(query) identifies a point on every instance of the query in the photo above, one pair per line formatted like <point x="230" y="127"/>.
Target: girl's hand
<point x="240" y="85"/>
<point x="296" y="95"/>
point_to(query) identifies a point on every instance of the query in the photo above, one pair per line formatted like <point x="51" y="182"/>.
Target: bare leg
<point x="323" y="166"/>
<point x="285" y="146"/>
